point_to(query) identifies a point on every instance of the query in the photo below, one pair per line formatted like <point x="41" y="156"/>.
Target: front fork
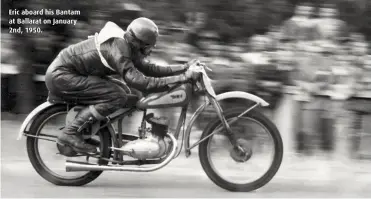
<point x="228" y="131"/>
<point x="231" y="136"/>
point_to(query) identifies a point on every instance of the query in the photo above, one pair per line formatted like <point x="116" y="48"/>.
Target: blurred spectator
<point x="332" y="32"/>
<point x="300" y="27"/>
<point x="286" y="61"/>
<point x="367" y="64"/>
<point x="366" y="78"/>
<point x="358" y="49"/>
<point x="274" y="36"/>
<point x="360" y="105"/>
<point x="305" y="117"/>
<point x="316" y="54"/>
<point x="330" y="27"/>
<point x="344" y="77"/>
<point x="342" y="88"/>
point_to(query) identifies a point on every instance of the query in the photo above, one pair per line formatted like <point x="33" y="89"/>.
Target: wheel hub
<point x="242" y="152"/>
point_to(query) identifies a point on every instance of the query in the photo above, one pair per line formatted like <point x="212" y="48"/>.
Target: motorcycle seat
<point x="132" y="100"/>
<point x="59" y="100"/>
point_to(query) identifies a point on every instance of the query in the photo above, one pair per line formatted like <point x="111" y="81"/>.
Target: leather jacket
<point x="83" y="58"/>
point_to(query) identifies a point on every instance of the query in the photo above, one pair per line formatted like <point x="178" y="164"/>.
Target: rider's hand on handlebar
<point x="191" y="74"/>
<point x="190" y="63"/>
<point x="195" y="69"/>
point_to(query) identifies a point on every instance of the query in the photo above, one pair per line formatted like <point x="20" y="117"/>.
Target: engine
<point x="154" y="145"/>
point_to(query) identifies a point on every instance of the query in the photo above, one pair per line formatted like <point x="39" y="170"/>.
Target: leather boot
<point x="74" y="139"/>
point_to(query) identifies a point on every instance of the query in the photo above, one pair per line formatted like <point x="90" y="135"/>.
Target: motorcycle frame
<point x="120" y="115"/>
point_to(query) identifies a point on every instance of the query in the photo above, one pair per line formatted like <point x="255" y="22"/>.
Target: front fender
<point x="31" y="116"/>
<point x="220" y="97"/>
<point x="241" y="95"/>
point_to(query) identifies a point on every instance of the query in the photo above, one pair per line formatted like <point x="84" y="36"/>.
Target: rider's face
<point x="147" y="50"/>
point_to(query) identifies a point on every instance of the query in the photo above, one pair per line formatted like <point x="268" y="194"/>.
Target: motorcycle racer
<point x="81" y="72"/>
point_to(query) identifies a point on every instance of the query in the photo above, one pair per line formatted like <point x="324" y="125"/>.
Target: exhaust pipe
<point x="73" y="166"/>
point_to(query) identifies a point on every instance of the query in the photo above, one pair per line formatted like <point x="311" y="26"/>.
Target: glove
<point x="190" y="63"/>
<point x="189" y="74"/>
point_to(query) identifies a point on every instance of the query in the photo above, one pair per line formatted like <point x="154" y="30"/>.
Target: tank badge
<point x="176" y="96"/>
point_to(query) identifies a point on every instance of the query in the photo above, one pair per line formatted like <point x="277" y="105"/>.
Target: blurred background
<point x="311" y="60"/>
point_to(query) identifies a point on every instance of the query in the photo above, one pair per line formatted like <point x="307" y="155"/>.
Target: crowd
<point x="329" y="67"/>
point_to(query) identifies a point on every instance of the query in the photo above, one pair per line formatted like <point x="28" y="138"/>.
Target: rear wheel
<point x="231" y="171"/>
<point x="44" y="154"/>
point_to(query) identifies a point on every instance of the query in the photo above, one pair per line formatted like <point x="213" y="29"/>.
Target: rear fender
<point x="220" y="97"/>
<point x="30" y="117"/>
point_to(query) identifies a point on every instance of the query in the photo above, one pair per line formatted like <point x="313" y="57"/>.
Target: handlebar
<point x="203" y="65"/>
<point x="201" y="68"/>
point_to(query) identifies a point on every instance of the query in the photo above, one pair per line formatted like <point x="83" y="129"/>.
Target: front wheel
<point x="242" y="174"/>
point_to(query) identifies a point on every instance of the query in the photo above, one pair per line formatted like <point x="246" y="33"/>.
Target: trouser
<point x="104" y="95"/>
<point x="315" y="125"/>
<point x="301" y="135"/>
<point x="307" y="123"/>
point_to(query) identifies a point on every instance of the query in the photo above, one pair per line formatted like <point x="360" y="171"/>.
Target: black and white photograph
<point x="185" y="99"/>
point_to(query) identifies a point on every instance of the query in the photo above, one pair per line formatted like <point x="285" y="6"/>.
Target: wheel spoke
<point x="41" y="138"/>
<point x="46" y="135"/>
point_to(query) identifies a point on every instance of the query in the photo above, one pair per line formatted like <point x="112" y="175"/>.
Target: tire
<point x="33" y="153"/>
<point x="277" y="159"/>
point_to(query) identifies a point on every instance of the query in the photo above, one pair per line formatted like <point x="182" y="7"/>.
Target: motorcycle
<point x="156" y="146"/>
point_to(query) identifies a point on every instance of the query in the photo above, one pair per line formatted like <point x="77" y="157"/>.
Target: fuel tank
<point x="178" y="96"/>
